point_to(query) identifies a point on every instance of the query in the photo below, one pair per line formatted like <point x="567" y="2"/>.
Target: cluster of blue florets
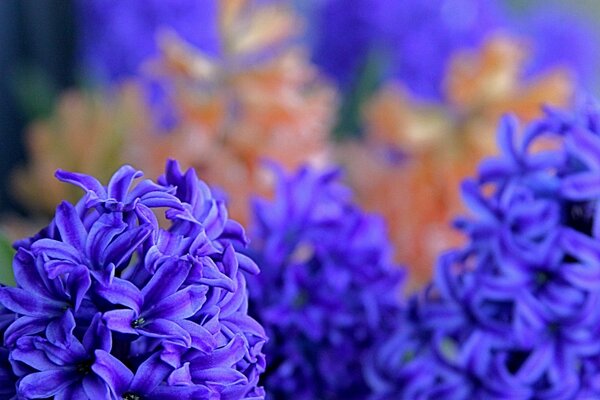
<point x="111" y="305"/>
<point x="328" y="289"/>
<point x="513" y="314"/>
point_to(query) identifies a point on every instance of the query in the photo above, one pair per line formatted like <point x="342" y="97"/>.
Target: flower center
<point x="131" y="396"/>
<point x="138" y="322"/>
<point x="580" y="216"/>
<point x="541" y="277"/>
<point x="85" y="367"/>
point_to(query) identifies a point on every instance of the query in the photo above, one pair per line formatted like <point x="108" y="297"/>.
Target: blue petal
<point x="23" y="302"/>
<point x="46" y="383"/>
<point x="85" y="182"/>
<point x="70" y="226"/>
<point x="121" y="181"/>
<point x="122" y="292"/>
<point x="120" y="320"/>
<point x="112" y="371"/>
<point x="182" y="304"/>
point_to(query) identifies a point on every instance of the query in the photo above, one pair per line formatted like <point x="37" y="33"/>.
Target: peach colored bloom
<point x="416" y="154"/>
<point x="260" y="99"/>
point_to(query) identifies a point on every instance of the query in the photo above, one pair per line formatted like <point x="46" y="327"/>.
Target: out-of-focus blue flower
<point x="416" y="38"/>
<point x="117" y="36"/>
<point x="111" y="305"/>
<point x="345" y="36"/>
<point x="514" y="313"/>
<point x="327" y="290"/>
<point x="558" y="36"/>
<point x="423" y="35"/>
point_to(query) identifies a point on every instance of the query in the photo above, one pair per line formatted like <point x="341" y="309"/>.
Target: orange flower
<point x="418" y="190"/>
<point x="88" y="132"/>
<point x="260" y="99"/>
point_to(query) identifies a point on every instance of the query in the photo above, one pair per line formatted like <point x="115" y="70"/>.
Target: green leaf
<point x="349" y="123"/>
<point x="6" y="257"/>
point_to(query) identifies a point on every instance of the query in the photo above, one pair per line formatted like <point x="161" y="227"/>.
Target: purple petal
<point x="121" y="181"/>
<point x="181" y="376"/>
<point x="27" y="353"/>
<point x="167" y="279"/>
<point x="580" y="246"/>
<point x="122" y="292"/>
<point x="24" y="326"/>
<point x="506" y="133"/>
<point x="202" y="245"/>
<point x="547" y="159"/>
<point x="214" y="222"/>
<point x="46" y="383"/>
<point x="235" y="233"/>
<point x="535" y="365"/>
<point x="62" y="356"/>
<point x="97" y="336"/>
<point x="85" y="182"/>
<point x="582" y="276"/>
<point x="60" y="330"/>
<point x="245" y="323"/>
<point x="183" y="393"/>
<point x="57" y="250"/>
<point x="95" y="388"/>
<point x="27" y="275"/>
<point x="154" y="195"/>
<point x="120" y="320"/>
<point x="70" y="226"/>
<point x="56" y="268"/>
<point x="150" y="374"/>
<point x="202" y="338"/>
<point x="180" y="305"/>
<point x="163" y="328"/>
<point x="226" y="356"/>
<point x="581" y="186"/>
<point x="210" y="275"/>
<point x="113" y="371"/>
<point x="492" y="169"/>
<point x="78" y="283"/>
<point x="72" y="392"/>
<point x="474" y="201"/>
<point x="102" y="233"/>
<point x="586" y="146"/>
<point x="121" y="249"/>
<point x="247" y="264"/>
<point x="218" y="376"/>
<point x="23" y="302"/>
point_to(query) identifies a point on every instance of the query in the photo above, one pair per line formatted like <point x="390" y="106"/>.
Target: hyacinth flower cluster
<point x="110" y="304"/>
<point x="327" y="290"/>
<point x="513" y="314"/>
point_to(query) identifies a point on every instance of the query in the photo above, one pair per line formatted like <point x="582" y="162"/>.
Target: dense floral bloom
<point x="513" y="314"/>
<point x="112" y="305"/>
<point x="327" y="290"/>
<point x="416" y="153"/>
